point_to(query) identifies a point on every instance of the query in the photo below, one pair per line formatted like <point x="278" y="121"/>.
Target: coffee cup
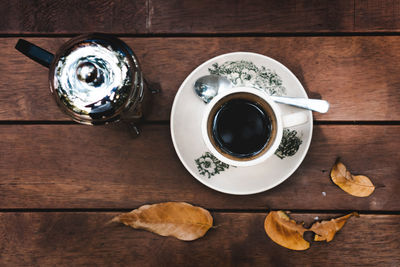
<point x="243" y="126"/>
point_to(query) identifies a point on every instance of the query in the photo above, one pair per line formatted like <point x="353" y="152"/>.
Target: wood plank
<point x="373" y="15"/>
<point x="65" y="239"/>
<point x="357" y="75"/>
<point x="42" y="16"/>
<point x="188" y="17"/>
<point x="250" y="16"/>
<point x="74" y="166"/>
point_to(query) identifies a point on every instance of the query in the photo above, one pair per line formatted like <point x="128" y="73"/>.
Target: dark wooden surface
<point x="200" y="17"/>
<point x="76" y="16"/>
<point x="83" y="167"/>
<point x="62" y="182"/>
<point x="84" y="239"/>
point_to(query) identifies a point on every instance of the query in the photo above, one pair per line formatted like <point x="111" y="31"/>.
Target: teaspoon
<point x="207" y="88"/>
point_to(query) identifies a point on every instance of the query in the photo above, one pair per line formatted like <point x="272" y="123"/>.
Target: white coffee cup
<point x="262" y="99"/>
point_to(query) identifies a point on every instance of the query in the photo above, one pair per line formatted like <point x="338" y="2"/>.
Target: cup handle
<point x="294" y="119"/>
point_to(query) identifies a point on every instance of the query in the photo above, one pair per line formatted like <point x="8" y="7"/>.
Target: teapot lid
<point x="95" y="77"/>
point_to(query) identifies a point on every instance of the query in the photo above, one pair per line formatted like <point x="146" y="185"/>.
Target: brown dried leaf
<point x="326" y="230"/>
<point x="177" y="219"/>
<point x="359" y="185"/>
<point x="284" y="231"/>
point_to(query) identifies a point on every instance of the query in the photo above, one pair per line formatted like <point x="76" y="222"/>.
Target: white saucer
<point x="243" y="69"/>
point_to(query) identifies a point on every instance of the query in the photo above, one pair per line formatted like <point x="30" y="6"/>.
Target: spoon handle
<point x="318" y="105"/>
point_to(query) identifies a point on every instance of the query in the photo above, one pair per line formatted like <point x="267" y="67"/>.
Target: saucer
<point x="250" y="70"/>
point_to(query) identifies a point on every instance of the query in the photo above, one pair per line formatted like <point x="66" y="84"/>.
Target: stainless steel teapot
<point x="95" y="78"/>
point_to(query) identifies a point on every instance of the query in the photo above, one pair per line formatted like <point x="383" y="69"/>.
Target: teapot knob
<point x="87" y="72"/>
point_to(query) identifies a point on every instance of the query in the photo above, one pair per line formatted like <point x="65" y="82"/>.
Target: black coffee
<point x="241" y="128"/>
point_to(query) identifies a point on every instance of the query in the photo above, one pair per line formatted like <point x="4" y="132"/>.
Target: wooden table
<point x="62" y="182"/>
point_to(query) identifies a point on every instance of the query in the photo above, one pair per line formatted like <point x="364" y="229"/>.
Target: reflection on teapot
<point x="95" y="78"/>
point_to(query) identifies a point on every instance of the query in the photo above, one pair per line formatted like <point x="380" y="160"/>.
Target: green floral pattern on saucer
<point x="246" y="73"/>
<point x="208" y="165"/>
<point x="289" y="145"/>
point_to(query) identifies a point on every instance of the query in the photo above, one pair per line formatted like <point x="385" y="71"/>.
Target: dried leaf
<point x="359" y="185"/>
<point x="326" y="230"/>
<point x="177" y="219"/>
<point x="284" y="231"/>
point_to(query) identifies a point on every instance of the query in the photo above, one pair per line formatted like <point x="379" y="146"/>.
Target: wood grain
<point x="65" y="239"/>
<point x="43" y="17"/>
<point x="250" y="16"/>
<point x="194" y="17"/>
<point x="78" y="167"/>
<point x="357" y="75"/>
<point x="74" y="166"/>
<point x="373" y="15"/>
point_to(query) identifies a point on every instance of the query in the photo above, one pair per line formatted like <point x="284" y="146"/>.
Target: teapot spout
<point x="34" y="52"/>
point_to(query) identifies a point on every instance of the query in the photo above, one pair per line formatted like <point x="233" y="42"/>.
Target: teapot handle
<point x="34" y="52"/>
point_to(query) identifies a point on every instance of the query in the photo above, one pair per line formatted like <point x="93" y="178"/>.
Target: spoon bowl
<point x="207" y="87"/>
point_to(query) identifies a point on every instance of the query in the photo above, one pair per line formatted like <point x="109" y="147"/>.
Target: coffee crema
<point x="241" y="126"/>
